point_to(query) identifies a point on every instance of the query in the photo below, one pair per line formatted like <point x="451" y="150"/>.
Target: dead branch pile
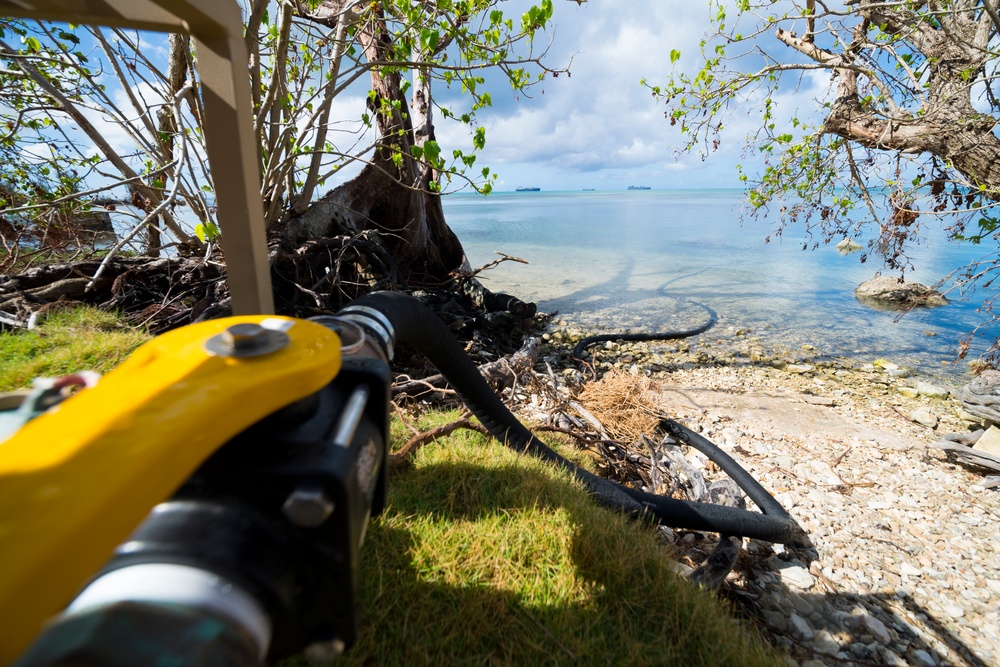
<point x="315" y="277"/>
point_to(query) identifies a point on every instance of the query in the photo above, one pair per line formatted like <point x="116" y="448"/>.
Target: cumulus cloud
<point x="600" y="122"/>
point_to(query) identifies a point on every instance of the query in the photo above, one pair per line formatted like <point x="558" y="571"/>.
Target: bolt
<point x="307" y="507"/>
<point x="244" y="336"/>
<point x="247" y="340"/>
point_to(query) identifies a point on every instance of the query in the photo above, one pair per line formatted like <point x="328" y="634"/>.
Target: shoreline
<point x="745" y="345"/>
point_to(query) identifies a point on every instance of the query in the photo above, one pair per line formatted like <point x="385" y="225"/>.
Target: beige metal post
<point x="217" y="29"/>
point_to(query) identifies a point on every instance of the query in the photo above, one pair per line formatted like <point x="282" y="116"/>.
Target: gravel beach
<point x="904" y="567"/>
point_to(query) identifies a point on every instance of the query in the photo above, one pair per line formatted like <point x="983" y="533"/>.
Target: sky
<point x="599" y="128"/>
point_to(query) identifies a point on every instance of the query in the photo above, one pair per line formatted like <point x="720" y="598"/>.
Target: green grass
<point x="483" y="556"/>
<point x="67" y="341"/>
<point x="488" y="557"/>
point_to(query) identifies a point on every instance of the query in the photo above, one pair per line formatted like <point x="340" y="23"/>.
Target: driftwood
<point x="167" y="288"/>
<point x="671" y="473"/>
<point x="719" y="564"/>
<point x="489" y="301"/>
<point x="967" y="439"/>
<point x="981" y="397"/>
<point x="501" y="374"/>
<point x="969" y="455"/>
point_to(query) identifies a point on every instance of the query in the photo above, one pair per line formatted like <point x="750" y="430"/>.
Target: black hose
<point x="416" y="324"/>
<point x="660" y="335"/>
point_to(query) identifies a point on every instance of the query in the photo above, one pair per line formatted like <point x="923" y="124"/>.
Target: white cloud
<point x="600" y="117"/>
<point x="601" y="120"/>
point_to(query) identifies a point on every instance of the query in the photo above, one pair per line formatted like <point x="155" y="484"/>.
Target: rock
<point x="954" y="611"/>
<point x="800" y="604"/>
<point x="892" y="293"/>
<point x="931" y="390"/>
<point x="800" y="368"/>
<point x="924" y="417"/>
<point x="775" y="620"/>
<point x="981" y="397"/>
<point x="885" y="365"/>
<point x="909" y="392"/>
<point x="922" y="658"/>
<point x="909" y="570"/>
<point x="848" y="246"/>
<point x="899" y="372"/>
<point x="801" y="627"/>
<point x="797" y="576"/>
<point x="825" y="643"/>
<point x="876" y="629"/>
<point x="892" y="659"/>
<point x="989" y="441"/>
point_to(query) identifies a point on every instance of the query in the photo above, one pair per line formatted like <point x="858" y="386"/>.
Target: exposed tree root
<point x="413" y="445"/>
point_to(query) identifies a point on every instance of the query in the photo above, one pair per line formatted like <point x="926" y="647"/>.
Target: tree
<point x="62" y="88"/>
<point x="903" y="127"/>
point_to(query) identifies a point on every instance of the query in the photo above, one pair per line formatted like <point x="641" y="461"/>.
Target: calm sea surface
<point x="631" y="260"/>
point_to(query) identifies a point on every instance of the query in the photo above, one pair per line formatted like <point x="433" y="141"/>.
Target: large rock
<point x="889" y="292"/>
<point x="989" y="442"/>
<point x="981" y="397"/>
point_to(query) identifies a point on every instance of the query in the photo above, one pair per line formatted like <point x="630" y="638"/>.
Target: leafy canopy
<point x="868" y="119"/>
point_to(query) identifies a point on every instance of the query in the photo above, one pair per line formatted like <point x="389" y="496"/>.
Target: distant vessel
<point x="588" y="189"/>
<point x="527" y="189"/>
<point x="639" y="187"/>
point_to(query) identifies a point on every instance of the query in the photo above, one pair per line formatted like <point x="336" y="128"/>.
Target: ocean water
<point x="634" y="260"/>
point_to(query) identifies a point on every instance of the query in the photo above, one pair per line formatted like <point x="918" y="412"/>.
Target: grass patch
<point x="487" y="557"/>
<point x="71" y="340"/>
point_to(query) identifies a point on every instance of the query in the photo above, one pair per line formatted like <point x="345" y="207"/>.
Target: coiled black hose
<point x="662" y="335"/>
<point x="416" y="324"/>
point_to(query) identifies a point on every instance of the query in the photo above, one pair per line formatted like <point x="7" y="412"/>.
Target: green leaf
<point x="675" y="55"/>
<point x="432" y="151"/>
<point x="206" y="231"/>
<point x="429" y="39"/>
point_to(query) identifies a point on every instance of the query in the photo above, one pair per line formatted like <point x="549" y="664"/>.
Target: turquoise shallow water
<point x="629" y="260"/>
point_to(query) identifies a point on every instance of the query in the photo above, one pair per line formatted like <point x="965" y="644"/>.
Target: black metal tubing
<point x="416" y="324"/>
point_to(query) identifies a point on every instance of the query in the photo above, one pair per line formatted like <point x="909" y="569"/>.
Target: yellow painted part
<point x="75" y="482"/>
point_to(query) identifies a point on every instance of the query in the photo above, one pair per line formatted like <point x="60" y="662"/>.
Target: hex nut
<point x="307" y="507"/>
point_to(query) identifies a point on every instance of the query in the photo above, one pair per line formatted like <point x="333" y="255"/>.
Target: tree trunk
<point x="178" y="65"/>
<point x="392" y="194"/>
<point x="948" y="126"/>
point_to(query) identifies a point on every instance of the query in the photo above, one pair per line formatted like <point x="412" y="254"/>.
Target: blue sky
<point x="600" y="128"/>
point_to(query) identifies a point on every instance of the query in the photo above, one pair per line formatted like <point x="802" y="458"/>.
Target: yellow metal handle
<point x="75" y="482"/>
